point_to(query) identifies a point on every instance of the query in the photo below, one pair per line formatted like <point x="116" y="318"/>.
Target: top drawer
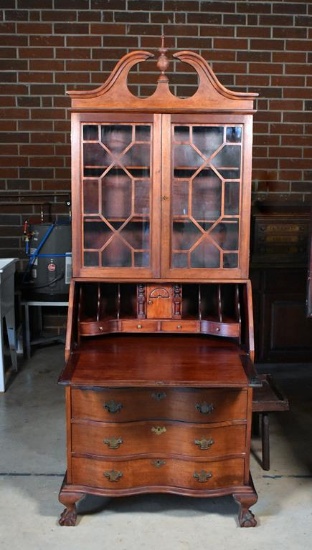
<point x="188" y="405"/>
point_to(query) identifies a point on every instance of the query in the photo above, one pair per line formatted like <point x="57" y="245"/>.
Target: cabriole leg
<point x="69" y="499"/>
<point x="245" y="500"/>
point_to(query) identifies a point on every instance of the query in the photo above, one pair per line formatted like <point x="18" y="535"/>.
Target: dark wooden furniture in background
<point x="279" y="268"/>
<point x="267" y="398"/>
<point x="159" y="350"/>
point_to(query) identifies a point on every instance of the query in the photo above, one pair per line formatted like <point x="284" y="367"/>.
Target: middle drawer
<point x="145" y="438"/>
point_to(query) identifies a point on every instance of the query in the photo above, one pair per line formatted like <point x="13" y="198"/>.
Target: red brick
<point x="17" y="161"/>
<point x="51" y="161"/>
<point x="14" y="113"/>
<point x="8" y="53"/>
<point x="31" y="150"/>
<point x="285" y="81"/>
<point x="71" y="4"/>
<point x="298" y="117"/>
<point x="294" y="175"/>
<point x="35" y="126"/>
<point x="297" y="68"/>
<point x="7" y="101"/>
<point x="71" y="28"/>
<point x="290" y="32"/>
<point x="229" y="43"/>
<point x="89" y="16"/>
<point x="223" y="7"/>
<point x="41" y="53"/>
<point x="47" y="89"/>
<point x="36" y="77"/>
<point x="283" y="105"/>
<point x="44" y="41"/>
<point x="78" y="65"/>
<point x="83" y="41"/>
<point x="72" y="78"/>
<point x="267" y="45"/>
<point x="266" y="68"/>
<point x="287" y="129"/>
<point x="254" y="7"/>
<point x="34" y="28"/>
<point x="293" y="152"/>
<point x="289" y="57"/>
<point x="254" y="32"/>
<point x="15" y="65"/>
<point x="298" y="45"/>
<point x="41" y="65"/>
<point x="212" y="31"/>
<point x="7" y="28"/>
<point x="297" y="140"/>
<point x="8" y="77"/>
<point x="294" y="164"/>
<point x="272" y="20"/>
<point x="11" y="172"/>
<point x="59" y="15"/>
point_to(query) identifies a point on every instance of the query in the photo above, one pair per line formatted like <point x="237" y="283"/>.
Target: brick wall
<point x="50" y="46"/>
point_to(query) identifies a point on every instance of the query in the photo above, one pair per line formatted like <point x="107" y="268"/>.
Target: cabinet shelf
<point x="211" y="309"/>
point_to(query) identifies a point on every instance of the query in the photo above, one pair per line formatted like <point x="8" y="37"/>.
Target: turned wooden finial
<point x="163" y="61"/>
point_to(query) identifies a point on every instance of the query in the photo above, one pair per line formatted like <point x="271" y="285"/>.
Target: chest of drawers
<point x="141" y="438"/>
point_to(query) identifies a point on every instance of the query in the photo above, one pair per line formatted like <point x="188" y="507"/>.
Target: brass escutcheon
<point x="158" y="463"/>
<point x="113" y="475"/>
<point x="204" y="408"/>
<point x="112" y="407"/>
<point x="158" y="430"/>
<point x="202" y="476"/>
<point x="204" y="444"/>
<point x="159" y="395"/>
<point x="113" y="442"/>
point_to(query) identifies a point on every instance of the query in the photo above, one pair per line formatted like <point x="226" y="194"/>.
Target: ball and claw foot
<point x="247" y="519"/>
<point x="68" y="517"/>
<point x="245" y="501"/>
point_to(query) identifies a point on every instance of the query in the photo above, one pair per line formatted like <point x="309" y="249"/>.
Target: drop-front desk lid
<point x="124" y="360"/>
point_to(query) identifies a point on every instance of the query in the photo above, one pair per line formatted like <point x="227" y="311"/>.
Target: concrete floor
<point x="32" y="465"/>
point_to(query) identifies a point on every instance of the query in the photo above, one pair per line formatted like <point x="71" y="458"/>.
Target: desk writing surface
<point x="129" y="360"/>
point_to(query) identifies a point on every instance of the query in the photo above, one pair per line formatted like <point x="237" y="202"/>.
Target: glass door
<point x="116" y="195"/>
<point x="206" y="180"/>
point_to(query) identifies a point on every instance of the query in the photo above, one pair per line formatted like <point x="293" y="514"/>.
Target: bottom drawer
<point x="160" y="472"/>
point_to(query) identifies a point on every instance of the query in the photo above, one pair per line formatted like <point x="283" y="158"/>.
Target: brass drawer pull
<point x="158" y="463"/>
<point x="159" y="395"/>
<point x="202" y="476"/>
<point x="204" y="408"/>
<point x="158" y="430"/>
<point x="204" y="444"/>
<point x="113" y="442"/>
<point x="112" y="407"/>
<point x="113" y="475"/>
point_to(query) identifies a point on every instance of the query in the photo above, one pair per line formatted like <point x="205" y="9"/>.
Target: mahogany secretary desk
<point x="159" y="348"/>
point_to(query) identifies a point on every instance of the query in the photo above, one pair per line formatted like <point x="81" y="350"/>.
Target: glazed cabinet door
<point x="206" y="196"/>
<point x="116" y="174"/>
<point x="161" y="196"/>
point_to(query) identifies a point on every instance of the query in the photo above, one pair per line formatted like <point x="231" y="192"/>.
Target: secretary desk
<point x="159" y="348"/>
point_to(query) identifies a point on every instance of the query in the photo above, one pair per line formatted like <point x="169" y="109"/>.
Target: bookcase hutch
<point x="160" y="348"/>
